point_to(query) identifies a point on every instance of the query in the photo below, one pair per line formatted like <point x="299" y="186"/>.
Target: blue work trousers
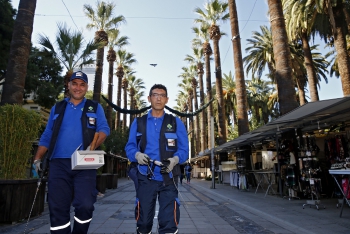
<point x="169" y="205"/>
<point x="188" y="176"/>
<point x="68" y="187"/>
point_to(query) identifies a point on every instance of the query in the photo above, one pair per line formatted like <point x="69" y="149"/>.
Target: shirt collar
<point x="149" y="115"/>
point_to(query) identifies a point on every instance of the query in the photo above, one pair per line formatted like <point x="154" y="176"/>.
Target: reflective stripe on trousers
<point x="58" y="228"/>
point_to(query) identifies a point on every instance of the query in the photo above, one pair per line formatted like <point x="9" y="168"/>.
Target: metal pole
<point x="212" y="152"/>
<point x="278" y="165"/>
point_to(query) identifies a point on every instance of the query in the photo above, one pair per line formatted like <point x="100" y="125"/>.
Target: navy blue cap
<point x="79" y="75"/>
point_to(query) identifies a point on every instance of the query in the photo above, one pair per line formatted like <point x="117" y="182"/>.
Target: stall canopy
<point x="309" y="117"/>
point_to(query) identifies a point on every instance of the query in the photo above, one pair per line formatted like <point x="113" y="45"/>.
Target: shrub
<point x="116" y="141"/>
<point x="19" y="128"/>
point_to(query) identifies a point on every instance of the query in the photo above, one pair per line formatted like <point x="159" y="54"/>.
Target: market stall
<point x="306" y="143"/>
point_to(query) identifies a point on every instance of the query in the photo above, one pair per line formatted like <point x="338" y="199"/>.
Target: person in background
<point x="157" y="137"/>
<point x="72" y="125"/>
<point x="182" y="169"/>
<point x="188" y="169"/>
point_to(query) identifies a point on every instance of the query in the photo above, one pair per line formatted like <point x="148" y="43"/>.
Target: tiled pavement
<point x="224" y="209"/>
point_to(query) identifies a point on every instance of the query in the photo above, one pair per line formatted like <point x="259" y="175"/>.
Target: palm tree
<point x="135" y="86"/>
<point x="181" y="105"/>
<point x="125" y="85"/>
<point x="259" y="92"/>
<point x="299" y="23"/>
<point x="202" y="39"/>
<point x="229" y="89"/>
<point x="299" y="70"/>
<point x="102" y="20"/>
<point x="285" y="85"/>
<point x="139" y="101"/>
<point x="70" y="50"/>
<point x="186" y="86"/>
<point x="241" y="95"/>
<point x="114" y="40"/>
<point x="124" y="60"/>
<point x="20" y="47"/>
<point x="335" y="12"/>
<point x="194" y="84"/>
<point x="197" y="59"/>
<point x="260" y="53"/>
<point x="216" y="11"/>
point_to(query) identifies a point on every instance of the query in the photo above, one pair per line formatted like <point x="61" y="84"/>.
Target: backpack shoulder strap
<point x="141" y="130"/>
<point x="60" y="107"/>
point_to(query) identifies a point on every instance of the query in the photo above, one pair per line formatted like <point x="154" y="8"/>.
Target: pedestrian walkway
<point x="224" y="209"/>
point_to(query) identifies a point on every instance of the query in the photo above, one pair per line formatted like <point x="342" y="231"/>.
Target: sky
<point x="160" y="32"/>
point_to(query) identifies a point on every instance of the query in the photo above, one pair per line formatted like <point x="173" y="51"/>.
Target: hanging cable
<point x="240" y="31"/>
<point x="70" y="14"/>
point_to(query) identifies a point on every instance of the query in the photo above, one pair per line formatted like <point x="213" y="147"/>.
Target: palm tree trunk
<point x="301" y="91"/>
<point x="207" y="54"/>
<point x="120" y="74"/>
<point x="347" y="18"/>
<point x="16" y="70"/>
<point x="310" y="69"/>
<point x="98" y="74"/>
<point x="111" y="57"/>
<point x="285" y="84"/>
<point x="241" y="94"/>
<point x="132" y="102"/>
<point x="202" y="115"/>
<point x="221" y="105"/>
<point x="191" y="126"/>
<point x="257" y="113"/>
<point x="125" y="85"/>
<point x="125" y="94"/>
<point x="341" y="48"/>
<point x="196" y="126"/>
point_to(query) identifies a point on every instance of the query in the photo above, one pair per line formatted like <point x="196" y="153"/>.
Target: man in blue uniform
<point x="73" y="123"/>
<point x="188" y="169"/>
<point x="161" y="137"/>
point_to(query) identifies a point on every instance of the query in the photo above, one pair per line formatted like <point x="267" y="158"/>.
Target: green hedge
<point x="19" y="128"/>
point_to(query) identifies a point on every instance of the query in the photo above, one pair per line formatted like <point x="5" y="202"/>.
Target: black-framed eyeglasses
<point x="157" y="95"/>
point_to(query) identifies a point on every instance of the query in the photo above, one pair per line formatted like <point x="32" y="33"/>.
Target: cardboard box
<point x="86" y="159"/>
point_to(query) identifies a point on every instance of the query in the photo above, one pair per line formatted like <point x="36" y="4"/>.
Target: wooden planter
<point x="112" y="181"/>
<point x="101" y="182"/>
<point x="16" y="199"/>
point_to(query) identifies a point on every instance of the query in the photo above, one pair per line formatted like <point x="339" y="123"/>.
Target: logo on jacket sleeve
<point x="169" y="126"/>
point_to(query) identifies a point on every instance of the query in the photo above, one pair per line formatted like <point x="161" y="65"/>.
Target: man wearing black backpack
<point x="72" y="125"/>
<point x="188" y="169"/>
<point x="157" y="137"/>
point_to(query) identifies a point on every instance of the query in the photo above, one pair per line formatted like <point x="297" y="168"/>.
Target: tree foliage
<point x="43" y="79"/>
<point x="7" y="14"/>
<point x="116" y="141"/>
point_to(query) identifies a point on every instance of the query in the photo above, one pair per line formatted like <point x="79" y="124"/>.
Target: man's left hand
<point x="169" y="164"/>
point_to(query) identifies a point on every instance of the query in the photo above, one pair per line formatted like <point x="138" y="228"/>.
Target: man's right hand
<point x="142" y="159"/>
<point x="36" y="165"/>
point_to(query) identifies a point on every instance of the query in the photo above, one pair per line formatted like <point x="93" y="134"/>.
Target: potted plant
<point x="114" y="145"/>
<point x="112" y="178"/>
<point x="19" y="128"/>
<point x="101" y="180"/>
